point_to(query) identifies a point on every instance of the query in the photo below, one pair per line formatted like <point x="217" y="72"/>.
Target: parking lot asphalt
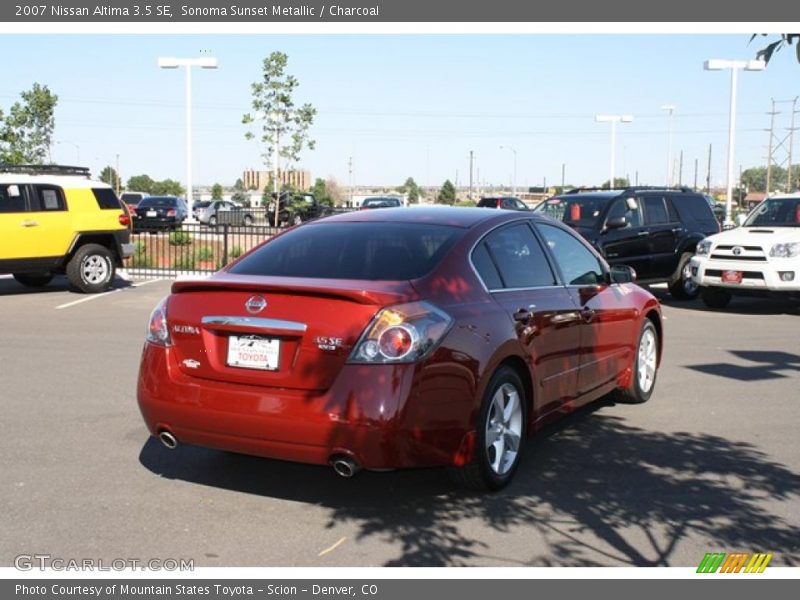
<point x="710" y="464"/>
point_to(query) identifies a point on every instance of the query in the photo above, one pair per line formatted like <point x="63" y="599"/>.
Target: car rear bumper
<point x="373" y="413"/>
<point x="756" y="275"/>
<point x="146" y="224"/>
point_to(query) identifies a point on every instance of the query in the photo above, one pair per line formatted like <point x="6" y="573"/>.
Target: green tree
<point x="411" y="189"/>
<point x="755" y="179"/>
<point x="216" y="192"/>
<point x="619" y="183"/>
<point x="110" y="176"/>
<point x="283" y="124"/>
<point x="26" y="131"/>
<point x="320" y="191"/>
<point x="784" y="40"/>
<point x="167" y="187"/>
<point x="141" y="183"/>
<point x="447" y="195"/>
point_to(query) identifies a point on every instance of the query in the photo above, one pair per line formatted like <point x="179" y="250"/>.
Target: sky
<point x="410" y="105"/>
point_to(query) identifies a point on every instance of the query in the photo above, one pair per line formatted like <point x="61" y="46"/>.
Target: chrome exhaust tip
<point x="169" y="440"/>
<point x="345" y="466"/>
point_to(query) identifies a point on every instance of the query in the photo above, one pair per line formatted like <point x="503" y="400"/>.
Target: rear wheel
<point x="645" y="363"/>
<point x="500" y="431"/>
<point x="715" y="297"/>
<point x="33" y="279"/>
<point x="91" y="269"/>
<point x="684" y="288"/>
<point x="248" y="221"/>
<point x="212" y="221"/>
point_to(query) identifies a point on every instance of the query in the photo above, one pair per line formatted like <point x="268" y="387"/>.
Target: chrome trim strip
<point x="255" y="323"/>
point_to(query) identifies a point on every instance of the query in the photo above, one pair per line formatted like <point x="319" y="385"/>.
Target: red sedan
<point x="398" y="338"/>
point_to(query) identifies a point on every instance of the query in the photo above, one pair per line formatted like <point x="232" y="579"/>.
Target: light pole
<point x="670" y="108"/>
<point x="204" y="62"/>
<point x="734" y="66"/>
<point x="613" y="119"/>
<point x="514" y="185"/>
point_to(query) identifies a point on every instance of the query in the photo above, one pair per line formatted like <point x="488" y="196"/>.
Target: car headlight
<point x="703" y="248"/>
<point x="789" y="250"/>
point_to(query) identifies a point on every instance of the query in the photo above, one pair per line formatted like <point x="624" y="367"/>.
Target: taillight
<point x="125" y="220"/>
<point x="402" y="334"/>
<point x="499" y="204"/>
<point x="171" y="212"/>
<point x="158" y="329"/>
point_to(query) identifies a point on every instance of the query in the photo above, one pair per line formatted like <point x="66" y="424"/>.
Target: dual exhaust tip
<point x="343" y="465"/>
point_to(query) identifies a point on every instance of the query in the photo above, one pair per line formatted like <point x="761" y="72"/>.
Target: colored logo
<point x="255" y="304"/>
<point x="738" y="562"/>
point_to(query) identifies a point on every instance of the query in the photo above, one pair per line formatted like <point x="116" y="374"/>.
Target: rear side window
<point x="693" y="207"/>
<point x="655" y="211"/>
<point x="106" y="198"/>
<point x="47" y="198"/>
<point x="486" y="268"/>
<point x="578" y="265"/>
<point x="519" y="257"/>
<point x="12" y="199"/>
<point x="373" y="251"/>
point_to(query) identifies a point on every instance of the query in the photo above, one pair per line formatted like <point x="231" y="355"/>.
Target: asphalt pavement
<point x="710" y="464"/>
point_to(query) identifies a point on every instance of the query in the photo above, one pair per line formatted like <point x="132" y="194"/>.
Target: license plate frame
<point x="731" y="277"/>
<point x="151" y="214"/>
<point x="253" y="352"/>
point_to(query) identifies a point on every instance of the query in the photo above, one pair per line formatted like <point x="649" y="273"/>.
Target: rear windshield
<point x="157" y="202"/>
<point x="693" y="207"/>
<point x="374" y="251"/>
<point x="775" y="212"/>
<point x="578" y="211"/>
<point x="106" y="198"/>
<point x="381" y="202"/>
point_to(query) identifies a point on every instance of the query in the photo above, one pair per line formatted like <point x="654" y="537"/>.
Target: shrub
<point x="180" y="238"/>
<point x="235" y="252"/>
<point x="204" y="254"/>
<point x="186" y="262"/>
<point x="139" y="247"/>
<point x="141" y="260"/>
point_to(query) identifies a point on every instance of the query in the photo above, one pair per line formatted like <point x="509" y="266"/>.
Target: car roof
<point x="64" y="181"/>
<point x="465" y="217"/>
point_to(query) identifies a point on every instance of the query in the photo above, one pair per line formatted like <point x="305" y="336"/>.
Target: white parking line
<point x="95" y="296"/>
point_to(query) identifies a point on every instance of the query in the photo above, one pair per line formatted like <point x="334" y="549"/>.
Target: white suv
<point x="760" y="257"/>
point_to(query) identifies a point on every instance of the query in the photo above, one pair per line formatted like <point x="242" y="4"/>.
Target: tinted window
<point x="158" y="202"/>
<point x="579" y="210"/>
<point x="368" y="251"/>
<point x="485" y="267"/>
<point x="776" y="212"/>
<point x="11" y="199"/>
<point x="623" y="208"/>
<point x="693" y="207"/>
<point x="577" y="264"/>
<point x="47" y="198"/>
<point x="130" y="198"/>
<point x="106" y="198"/>
<point x="655" y="210"/>
<point x="519" y="257"/>
<point x="488" y="202"/>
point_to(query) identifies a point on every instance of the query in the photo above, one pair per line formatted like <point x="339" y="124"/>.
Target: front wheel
<point x="499" y="435"/>
<point x="91" y="269"/>
<point x="645" y="366"/>
<point x="248" y="221"/>
<point x="33" y="279"/>
<point x="715" y="297"/>
<point x="684" y="288"/>
<point x="212" y="221"/>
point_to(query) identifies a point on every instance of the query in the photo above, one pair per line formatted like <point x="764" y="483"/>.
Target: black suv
<point x="506" y="202"/>
<point x="296" y="208"/>
<point x="653" y="230"/>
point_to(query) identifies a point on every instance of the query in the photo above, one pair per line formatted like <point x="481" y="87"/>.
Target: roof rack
<point x="631" y="189"/>
<point x="46" y="170"/>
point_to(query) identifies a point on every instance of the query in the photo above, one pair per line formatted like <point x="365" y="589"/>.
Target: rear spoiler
<point x="385" y="292"/>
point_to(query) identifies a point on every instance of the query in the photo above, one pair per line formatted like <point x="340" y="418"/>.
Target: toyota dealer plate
<point x="731" y="277"/>
<point x="250" y="352"/>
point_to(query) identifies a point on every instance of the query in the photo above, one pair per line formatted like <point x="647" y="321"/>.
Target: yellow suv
<point x="56" y="219"/>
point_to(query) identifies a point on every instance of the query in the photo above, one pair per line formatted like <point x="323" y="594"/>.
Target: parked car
<point x="198" y="206"/>
<point x="132" y="199"/>
<point x="56" y="219"/>
<point x="653" y="230"/>
<point x="234" y="214"/>
<point x="156" y="213"/>
<point x="762" y="257"/>
<point x="506" y="202"/>
<point x="381" y="202"/>
<point x="398" y="338"/>
<point x="296" y="208"/>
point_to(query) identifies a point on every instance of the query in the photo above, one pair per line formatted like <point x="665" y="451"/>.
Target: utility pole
<point x="771" y="130"/>
<point x="695" y="174"/>
<point x="471" y="159"/>
<point x="637" y="179"/>
<point x="563" y="176"/>
<point x="680" y="171"/>
<point x="791" y="143"/>
<point x="708" y="172"/>
<point x="350" y="174"/>
<point x="119" y="177"/>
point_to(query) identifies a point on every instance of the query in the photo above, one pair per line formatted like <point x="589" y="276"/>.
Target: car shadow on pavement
<point x="10" y="287"/>
<point x="767" y="365"/>
<point x="742" y="305"/>
<point x="595" y="490"/>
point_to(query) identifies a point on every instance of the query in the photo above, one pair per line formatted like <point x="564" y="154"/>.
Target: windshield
<point x="580" y="211"/>
<point x="775" y="212"/>
<point x="369" y="251"/>
<point x="158" y="202"/>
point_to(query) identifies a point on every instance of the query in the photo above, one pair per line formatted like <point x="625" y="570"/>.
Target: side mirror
<point x="616" y="222"/>
<point x="622" y="274"/>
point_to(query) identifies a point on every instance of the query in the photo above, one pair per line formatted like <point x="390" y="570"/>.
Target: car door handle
<point x="643" y="233"/>
<point x="524" y="315"/>
<point x="30" y="223"/>
<point x="587" y="314"/>
<point x="677" y="229"/>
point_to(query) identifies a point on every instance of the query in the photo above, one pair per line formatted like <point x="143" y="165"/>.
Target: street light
<point x="514" y="192"/>
<point x="671" y="109"/>
<point x="613" y="119"/>
<point x="204" y="62"/>
<point x="734" y="66"/>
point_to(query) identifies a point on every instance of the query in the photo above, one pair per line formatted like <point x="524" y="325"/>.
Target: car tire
<point x="645" y="368"/>
<point x="91" y="269"/>
<point x="715" y="297"/>
<point x="502" y="420"/>
<point x="212" y="221"/>
<point x="33" y="279"/>
<point x="684" y="288"/>
<point x="248" y="221"/>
